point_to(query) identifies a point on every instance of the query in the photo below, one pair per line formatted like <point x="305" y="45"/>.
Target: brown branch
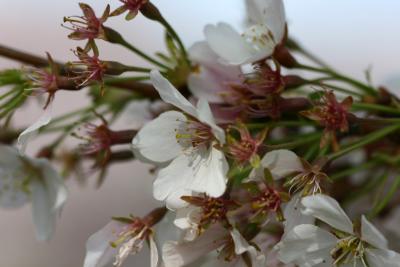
<point x="24" y="57"/>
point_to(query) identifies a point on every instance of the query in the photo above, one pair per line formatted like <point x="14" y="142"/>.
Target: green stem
<point x="302" y="141"/>
<point x="335" y="87"/>
<point x="150" y="11"/>
<point x="142" y="54"/>
<point x="375" y="107"/>
<point x="370" y="138"/>
<point x="350" y="171"/>
<point x="109" y="81"/>
<point x="278" y="124"/>
<point x="116" y="38"/>
<point x="365" y="88"/>
<point x="380" y="205"/>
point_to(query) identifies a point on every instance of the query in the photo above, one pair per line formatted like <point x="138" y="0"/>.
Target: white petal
<point x="202" y="54"/>
<point x="327" y="210"/>
<point x="12" y="195"/>
<point x="210" y="173"/>
<point x="9" y="158"/>
<point x="382" y="258"/>
<point x="228" y="44"/>
<point x="48" y="198"/>
<point x="186" y="217"/>
<point x="205" y="115"/>
<point x="268" y="12"/>
<point x="319" y="258"/>
<point x="212" y="78"/>
<point x="205" y="85"/>
<point x="135" y="114"/>
<point x="261" y="41"/>
<point x="55" y="185"/>
<point x="372" y="235"/>
<point x="153" y="253"/>
<point x="172" y="181"/>
<point x="170" y="94"/>
<point x="200" y="173"/>
<point x="304" y="239"/>
<point x="42" y="210"/>
<point x="99" y="252"/>
<point x="32" y="130"/>
<point x="293" y="215"/>
<point x="177" y="254"/>
<point x="281" y="163"/>
<point x="156" y="141"/>
<point x="242" y="246"/>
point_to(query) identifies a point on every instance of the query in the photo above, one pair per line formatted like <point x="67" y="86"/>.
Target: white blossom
<point x="265" y="32"/>
<point x="116" y="241"/>
<point x="24" y="179"/>
<point x="308" y="245"/>
<point x="187" y="143"/>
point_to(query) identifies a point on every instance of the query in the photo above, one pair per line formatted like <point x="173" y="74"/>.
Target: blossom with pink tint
<point x="331" y="114"/>
<point x="132" y="6"/>
<point x="88" y="26"/>
<point x="123" y="237"/>
<point x="211" y="79"/>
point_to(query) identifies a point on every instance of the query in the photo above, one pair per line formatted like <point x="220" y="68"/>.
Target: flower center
<point x="308" y="181"/>
<point x="269" y="200"/>
<point x="260" y="37"/>
<point x="349" y="250"/>
<point x="194" y="134"/>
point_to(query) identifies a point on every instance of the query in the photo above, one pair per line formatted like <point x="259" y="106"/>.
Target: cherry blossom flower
<point x="212" y="79"/>
<point x="188" y="142"/>
<point x="88" y="26"/>
<point x="266" y="31"/>
<point x="24" y="179"/>
<point x="119" y="239"/>
<point x="132" y="6"/>
<point x="309" y="245"/>
<point x="230" y="246"/>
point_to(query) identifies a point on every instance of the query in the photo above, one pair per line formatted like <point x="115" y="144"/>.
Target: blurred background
<point x="352" y="35"/>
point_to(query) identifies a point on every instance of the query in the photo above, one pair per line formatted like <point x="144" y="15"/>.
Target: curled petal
<point x="31" y="131"/>
<point x="170" y="94"/>
<point x="327" y="210"/>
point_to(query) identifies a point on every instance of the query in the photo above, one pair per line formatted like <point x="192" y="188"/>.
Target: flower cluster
<point x="251" y="166"/>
